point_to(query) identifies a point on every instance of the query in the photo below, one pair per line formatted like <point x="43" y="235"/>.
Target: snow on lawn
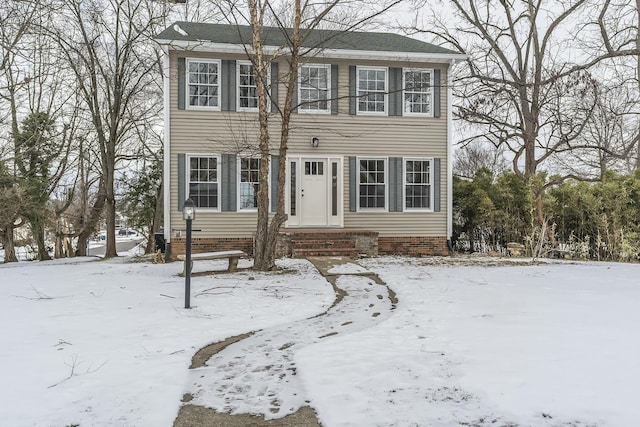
<point x="546" y="345"/>
<point x="109" y="343"/>
<point x="489" y="343"/>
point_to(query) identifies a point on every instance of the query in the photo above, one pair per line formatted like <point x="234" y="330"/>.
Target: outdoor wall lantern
<point x="188" y="214"/>
<point x="315" y="141"/>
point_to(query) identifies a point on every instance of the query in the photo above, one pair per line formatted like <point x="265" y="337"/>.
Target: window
<point x="247" y="87"/>
<point x="417" y="184"/>
<point x="417" y="92"/>
<point x="203" y="83"/>
<point x="313" y="84"/>
<point x="203" y="181"/>
<point x="372" y="188"/>
<point x="372" y="90"/>
<point x="314" y="168"/>
<point x="249" y="183"/>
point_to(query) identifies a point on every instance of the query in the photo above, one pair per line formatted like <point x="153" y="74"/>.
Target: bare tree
<point x="16" y="18"/>
<point x="521" y="89"/>
<point x="472" y="157"/>
<point x="106" y="45"/>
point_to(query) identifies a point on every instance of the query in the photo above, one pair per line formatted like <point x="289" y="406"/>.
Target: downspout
<point x="449" y="157"/>
<point x="166" y="173"/>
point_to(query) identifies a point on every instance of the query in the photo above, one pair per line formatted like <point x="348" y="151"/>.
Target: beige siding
<point x="202" y="132"/>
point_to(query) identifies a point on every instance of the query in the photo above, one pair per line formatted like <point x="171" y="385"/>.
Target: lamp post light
<point x="188" y="214"/>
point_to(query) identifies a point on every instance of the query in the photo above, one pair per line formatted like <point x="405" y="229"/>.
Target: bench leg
<point x="233" y="264"/>
<point x="184" y="268"/>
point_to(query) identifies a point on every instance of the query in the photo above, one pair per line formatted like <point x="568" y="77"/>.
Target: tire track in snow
<point x="256" y="373"/>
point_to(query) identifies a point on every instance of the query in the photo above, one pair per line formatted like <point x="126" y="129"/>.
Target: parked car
<point x="126" y="232"/>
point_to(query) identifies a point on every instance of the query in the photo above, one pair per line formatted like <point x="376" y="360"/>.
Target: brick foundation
<point x="301" y="243"/>
<point x="412" y="246"/>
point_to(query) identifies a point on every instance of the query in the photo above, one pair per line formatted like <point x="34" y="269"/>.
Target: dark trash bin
<point x="159" y="240"/>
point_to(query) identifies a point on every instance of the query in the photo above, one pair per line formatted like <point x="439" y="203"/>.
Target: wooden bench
<point x="232" y="256"/>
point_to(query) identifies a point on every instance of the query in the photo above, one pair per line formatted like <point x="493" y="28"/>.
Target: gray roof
<point x="325" y="39"/>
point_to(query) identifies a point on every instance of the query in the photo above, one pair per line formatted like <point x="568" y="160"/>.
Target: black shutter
<point x="395" y="91"/>
<point x="275" y="166"/>
<point x="395" y="184"/>
<point x="274" y="86"/>
<point x="436" y="185"/>
<point x="334" y="89"/>
<point x="229" y="186"/>
<point x="353" y="184"/>
<point x="228" y="86"/>
<point x="181" y="83"/>
<point x="352" y="90"/>
<point x="436" y="93"/>
<point x="182" y="175"/>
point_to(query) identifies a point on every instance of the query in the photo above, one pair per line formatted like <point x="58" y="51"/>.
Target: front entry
<point x="314" y="191"/>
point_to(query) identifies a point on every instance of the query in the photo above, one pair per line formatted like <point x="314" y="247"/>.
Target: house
<point x="369" y="158"/>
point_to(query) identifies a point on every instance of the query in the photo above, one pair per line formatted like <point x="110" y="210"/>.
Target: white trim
<point x="187" y="100"/>
<point x="385" y="93"/>
<point x="166" y="167"/>
<point x="431" y="91"/>
<point x="449" y="153"/>
<point x="404" y="184"/>
<point x="386" y="184"/>
<point x="237" y="89"/>
<point x="207" y="46"/>
<point x="187" y="178"/>
<point x="295" y="221"/>
<point x="302" y="110"/>
<point x="239" y="157"/>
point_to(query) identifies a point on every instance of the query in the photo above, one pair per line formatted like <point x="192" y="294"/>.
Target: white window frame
<point x="405" y="109"/>
<point x="187" y="168"/>
<point x="301" y="107"/>
<point x="239" y="183"/>
<point x="187" y="92"/>
<point x="386" y="185"/>
<point x="385" y="92"/>
<point x="404" y="184"/>
<point x="249" y="109"/>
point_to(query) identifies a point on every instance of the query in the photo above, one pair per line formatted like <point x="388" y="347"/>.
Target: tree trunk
<point x="7" y="242"/>
<point x="92" y="220"/>
<point x="38" y="232"/>
<point x="110" y="248"/>
<point x="157" y="219"/>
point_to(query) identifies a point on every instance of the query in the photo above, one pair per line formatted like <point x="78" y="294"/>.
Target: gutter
<point x="166" y="170"/>
<point x="354" y="54"/>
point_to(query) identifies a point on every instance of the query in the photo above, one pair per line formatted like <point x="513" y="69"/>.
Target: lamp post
<point x="188" y="214"/>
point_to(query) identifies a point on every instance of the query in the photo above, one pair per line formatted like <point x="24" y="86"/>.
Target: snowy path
<point x="257" y="374"/>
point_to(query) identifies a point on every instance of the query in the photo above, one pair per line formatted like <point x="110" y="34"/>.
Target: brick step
<point x="325" y="252"/>
<point x="323" y="244"/>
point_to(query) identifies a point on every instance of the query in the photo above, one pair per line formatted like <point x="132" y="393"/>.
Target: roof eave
<point x="209" y="46"/>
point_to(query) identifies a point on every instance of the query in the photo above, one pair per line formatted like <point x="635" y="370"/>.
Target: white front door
<point x="313" y="192"/>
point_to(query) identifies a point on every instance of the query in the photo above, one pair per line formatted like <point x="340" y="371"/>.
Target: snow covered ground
<point x="479" y="344"/>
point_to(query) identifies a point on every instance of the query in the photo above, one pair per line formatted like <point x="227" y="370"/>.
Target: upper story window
<point x="372" y="90"/>
<point x="203" y="83"/>
<point x="313" y="86"/>
<point x="249" y="183"/>
<point x="203" y="181"/>
<point x="247" y="87"/>
<point x="372" y="183"/>
<point x="418" y="93"/>
<point x="417" y="184"/>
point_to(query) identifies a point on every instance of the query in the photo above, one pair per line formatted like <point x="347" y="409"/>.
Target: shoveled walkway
<point x="255" y="373"/>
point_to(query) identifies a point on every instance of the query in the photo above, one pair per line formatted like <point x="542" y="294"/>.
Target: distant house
<point x="369" y="159"/>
